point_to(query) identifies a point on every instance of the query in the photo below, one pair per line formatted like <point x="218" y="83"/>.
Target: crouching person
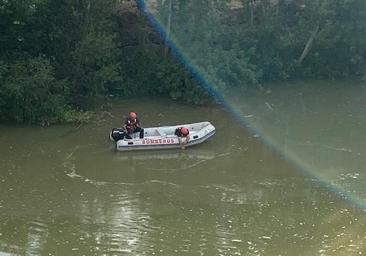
<point x="183" y="136"/>
<point x="132" y="125"/>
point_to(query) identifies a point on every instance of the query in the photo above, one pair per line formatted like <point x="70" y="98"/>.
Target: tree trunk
<point x="251" y="4"/>
<point x="308" y="45"/>
<point x="168" y="27"/>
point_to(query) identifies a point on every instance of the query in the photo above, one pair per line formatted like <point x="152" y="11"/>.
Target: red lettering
<point x="158" y="141"/>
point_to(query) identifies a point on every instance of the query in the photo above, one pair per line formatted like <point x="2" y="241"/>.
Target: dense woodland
<point x="59" y="58"/>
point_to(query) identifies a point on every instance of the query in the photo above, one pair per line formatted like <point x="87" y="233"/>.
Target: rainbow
<point x="263" y="136"/>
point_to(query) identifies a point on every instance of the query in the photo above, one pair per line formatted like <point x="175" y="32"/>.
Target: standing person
<point x="132" y="125"/>
<point x="183" y="136"/>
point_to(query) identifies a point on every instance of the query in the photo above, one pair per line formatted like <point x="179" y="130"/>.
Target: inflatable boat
<point x="161" y="137"/>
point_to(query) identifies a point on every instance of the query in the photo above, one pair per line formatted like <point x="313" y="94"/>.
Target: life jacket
<point x="131" y="124"/>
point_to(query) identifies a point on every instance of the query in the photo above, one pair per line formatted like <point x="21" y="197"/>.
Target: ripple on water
<point x="6" y="253"/>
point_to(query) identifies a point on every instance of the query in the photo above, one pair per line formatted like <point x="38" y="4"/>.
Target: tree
<point x="30" y="93"/>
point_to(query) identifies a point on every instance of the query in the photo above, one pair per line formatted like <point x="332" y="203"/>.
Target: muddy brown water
<point x="64" y="190"/>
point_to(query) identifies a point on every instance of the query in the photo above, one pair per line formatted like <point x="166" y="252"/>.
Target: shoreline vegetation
<point x="60" y="58"/>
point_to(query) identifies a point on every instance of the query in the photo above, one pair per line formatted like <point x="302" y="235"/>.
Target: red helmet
<point x="132" y="115"/>
<point x="184" y="131"/>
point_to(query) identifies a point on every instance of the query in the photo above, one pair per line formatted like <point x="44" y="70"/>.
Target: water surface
<point x="64" y="190"/>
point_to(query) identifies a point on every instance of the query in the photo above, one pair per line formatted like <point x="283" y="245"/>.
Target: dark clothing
<point x="138" y="129"/>
<point x="179" y="133"/>
<point x="118" y="134"/>
<point x="132" y="126"/>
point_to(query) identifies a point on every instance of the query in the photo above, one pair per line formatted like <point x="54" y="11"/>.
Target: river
<point x="283" y="175"/>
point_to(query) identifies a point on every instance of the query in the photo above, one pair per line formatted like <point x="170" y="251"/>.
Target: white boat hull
<point x="164" y="138"/>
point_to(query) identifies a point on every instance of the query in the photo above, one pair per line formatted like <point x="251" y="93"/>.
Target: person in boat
<point x="132" y="125"/>
<point x="183" y="136"/>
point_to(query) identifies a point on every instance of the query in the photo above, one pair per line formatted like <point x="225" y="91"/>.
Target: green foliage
<point x="76" y="42"/>
<point x="13" y="17"/>
<point x="29" y="92"/>
<point x="175" y="82"/>
<point x="255" y="41"/>
<point x="75" y="116"/>
<point x="59" y="57"/>
<point x="146" y="69"/>
<point x="95" y="68"/>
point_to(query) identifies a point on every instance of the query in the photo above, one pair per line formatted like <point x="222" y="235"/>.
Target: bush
<point x="30" y="93"/>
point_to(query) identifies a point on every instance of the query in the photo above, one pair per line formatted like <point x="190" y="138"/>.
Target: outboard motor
<point x="117" y="134"/>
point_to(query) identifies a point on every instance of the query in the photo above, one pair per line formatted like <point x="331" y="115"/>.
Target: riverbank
<point x="129" y="50"/>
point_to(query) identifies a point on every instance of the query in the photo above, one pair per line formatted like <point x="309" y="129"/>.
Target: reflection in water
<point x="229" y="196"/>
<point x="167" y="154"/>
<point x="321" y="133"/>
<point x="312" y="124"/>
<point x="119" y="223"/>
<point x="37" y="237"/>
